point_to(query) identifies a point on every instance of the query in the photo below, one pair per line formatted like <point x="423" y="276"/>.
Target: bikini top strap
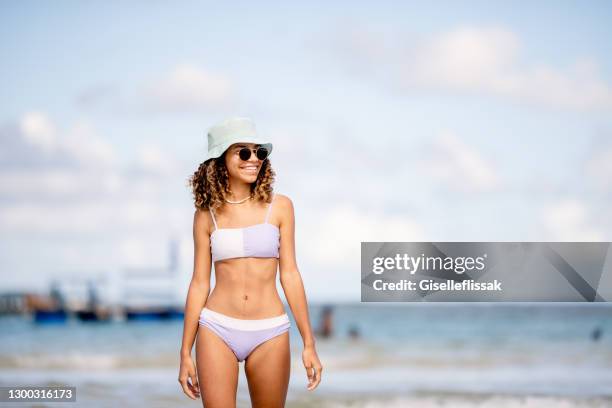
<point x="269" y="208"/>
<point x="213" y="217"/>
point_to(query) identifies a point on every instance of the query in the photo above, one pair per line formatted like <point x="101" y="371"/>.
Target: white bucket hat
<point x="230" y="131"/>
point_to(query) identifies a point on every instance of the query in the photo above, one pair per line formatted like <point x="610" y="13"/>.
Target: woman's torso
<point x="245" y="287"/>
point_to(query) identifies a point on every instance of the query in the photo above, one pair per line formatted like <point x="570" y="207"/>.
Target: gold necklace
<point x="239" y="201"/>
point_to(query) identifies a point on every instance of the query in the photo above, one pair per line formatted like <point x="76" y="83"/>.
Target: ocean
<point x="405" y="355"/>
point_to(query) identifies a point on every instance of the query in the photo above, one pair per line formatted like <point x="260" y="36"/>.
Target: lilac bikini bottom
<point x="243" y="335"/>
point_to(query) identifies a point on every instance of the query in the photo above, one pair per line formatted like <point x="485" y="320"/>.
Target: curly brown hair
<point x="210" y="183"/>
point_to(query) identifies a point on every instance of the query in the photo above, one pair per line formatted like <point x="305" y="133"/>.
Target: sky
<point x="391" y="121"/>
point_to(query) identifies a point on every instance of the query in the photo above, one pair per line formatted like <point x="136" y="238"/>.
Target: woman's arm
<point x="196" y="299"/>
<point x="293" y="286"/>
<point x="200" y="282"/>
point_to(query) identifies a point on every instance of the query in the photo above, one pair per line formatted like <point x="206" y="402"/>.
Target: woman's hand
<point x="313" y="367"/>
<point x="188" y="378"/>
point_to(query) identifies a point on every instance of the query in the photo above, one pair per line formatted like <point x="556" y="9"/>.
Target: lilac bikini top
<point x="259" y="240"/>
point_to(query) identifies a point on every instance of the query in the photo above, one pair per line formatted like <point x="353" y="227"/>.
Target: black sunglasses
<point x="261" y="153"/>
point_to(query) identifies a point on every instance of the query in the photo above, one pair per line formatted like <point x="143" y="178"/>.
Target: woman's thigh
<point x="217" y="370"/>
<point x="267" y="369"/>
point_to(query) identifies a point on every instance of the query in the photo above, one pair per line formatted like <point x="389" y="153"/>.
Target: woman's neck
<point x="239" y="190"/>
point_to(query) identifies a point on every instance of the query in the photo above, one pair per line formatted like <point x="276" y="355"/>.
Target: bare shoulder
<point x="202" y="220"/>
<point x="283" y="202"/>
<point x="285" y="209"/>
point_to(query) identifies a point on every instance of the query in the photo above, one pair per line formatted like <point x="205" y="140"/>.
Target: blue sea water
<point x="414" y="354"/>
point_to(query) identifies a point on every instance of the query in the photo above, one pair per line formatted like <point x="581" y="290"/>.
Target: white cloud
<point x="39" y="218"/>
<point x="37" y="130"/>
<point x="134" y="252"/>
<point x="466" y="58"/>
<point x="42" y="162"/>
<point x="153" y="159"/>
<point x="481" y="60"/>
<point x="328" y="245"/>
<point x="87" y="147"/>
<point x="186" y="88"/>
<point x="69" y="200"/>
<point x="599" y="168"/>
<point x="569" y="220"/>
<point x="457" y="165"/>
<point x="103" y="216"/>
<point x="58" y="183"/>
<point x="36" y="142"/>
<point x="71" y="182"/>
<point x="334" y="238"/>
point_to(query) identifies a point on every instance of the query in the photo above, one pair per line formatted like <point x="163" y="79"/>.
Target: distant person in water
<point x="326" y="327"/>
<point x="354" y="332"/>
<point x="596" y="334"/>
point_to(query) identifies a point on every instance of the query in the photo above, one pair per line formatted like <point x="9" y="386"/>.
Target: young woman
<point x="248" y="232"/>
